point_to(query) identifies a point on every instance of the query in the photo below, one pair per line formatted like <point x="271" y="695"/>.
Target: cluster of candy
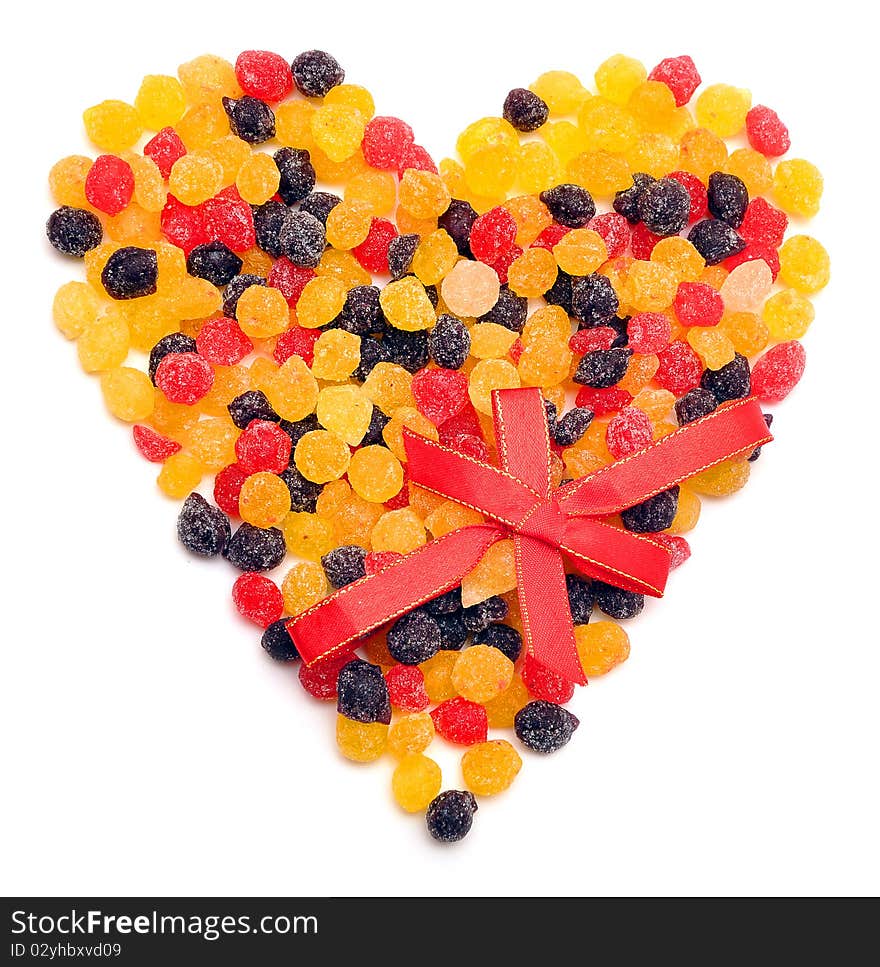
<point x="278" y="366"/>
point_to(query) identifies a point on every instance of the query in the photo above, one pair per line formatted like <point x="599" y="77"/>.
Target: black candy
<point x="130" y="273"/>
<point x="255" y="548"/>
<point x="544" y="727"/>
<point x="201" y="528"/>
<point x="570" y="205"/>
<point x="320" y="204"/>
<point x="449" y="342"/>
<point x="457" y="221"/>
<point x="214" y="262"/>
<point x="652" y="515"/>
<point x="450" y="816"/>
<point x="506" y="639"/>
<point x="453" y="633"/>
<point x="694" y="405"/>
<point x="277" y="642"/>
<point x="268" y="219"/>
<point x="626" y="202"/>
<point x="74" y="231"/>
<point x="664" y="206"/>
<point x="361" y="693"/>
<point x="733" y="381"/>
<point x="616" y="602"/>
<point x="593" y="299"/>
<point x="525" y="110"/>
<point x="251" y="405"/>
<point x="345" y="564"/>
<point x="602" y="368"/>
<point x="569" y="428"/>
<point x="400" y="255"/>
<point x="510" y="311"/>
<point x="728" y="198"/>
<point x="302" y="239"/>
<point x="406" y="349"/>
<point x="250" y="119"/>
<point x="297" y="174"/>
<point x="480" y="616"/>
<point x="315" y="72"/>
<point x="235" y="288"/>
<point x="303" y="493"/>
<point x="715" y="240"/>
<point x="414" y="638"/>
<point x="361" y="313"/>
<point x="580" y="598"/>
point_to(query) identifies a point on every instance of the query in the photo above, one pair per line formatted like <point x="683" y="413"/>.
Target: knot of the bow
<point x="544" y="521"/>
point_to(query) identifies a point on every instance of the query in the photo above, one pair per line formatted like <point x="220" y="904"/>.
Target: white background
<point x="152" y="749"/>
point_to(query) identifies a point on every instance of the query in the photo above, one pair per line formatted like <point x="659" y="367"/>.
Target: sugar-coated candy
<point x="315" y="73"/>
<point x="715" y="240"/>
<point x="415" y="782"/>
<point x="460" y="720"/>
<point x="663" y="206"/>
<point x="730" y="382"/>
<point x="344" y="565"/>
<point x="728" y="198"/>
<point x="74" y="231"/>
<point x="360" y="741"/>
<point x="361" y="693"/>
<point x="694" y="405"/>
<point x="481" y="673"/>
<point x="414" y="638"/>
<point x="201" y="528"/>
<point x="602" y="368"/>
<point x="130" y="273"/>
<point x="257" y="598"/>
<point x="544" y="683"/>
<point x="503" y="637"/>
<point x="544" y="727"/>
<point x="616" y="602"/>
<point x="778" y="371"/>
<point x="277" y="643"/>
<point x="255" y="548"/>
<point x="654" y="514"/>
<point x="450" y="816"/>
<point x="479" y="616"/>
<point x="601" y="646"/>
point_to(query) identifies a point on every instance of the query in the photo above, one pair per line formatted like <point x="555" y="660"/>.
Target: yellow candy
<point x="406" y="304"/>
<point x="375" y="473"/>
<point x="481" y="673"/>
<point x="600" y="645"/>
<point x="562" y="91"/>
<point x="490" y="767"/>
<point x="538" y="167"/>
<point x="104" y="343"/>
<point x="415" y="782"/>
<point x="489" y="340"/>
<point x="337" y="354"/>
<point x="360" y="741"/>
<point x="797" y="187"/>
<point x="308" y="535"/>
<point x="687" y="513"/>
<point x="160" y="101"/>
<point x="788" y="315"/>
<point x="258" y="179"/>
<point x="580" y="251"/>
<point x="411" y="733"/>
<point x="376" y="190"/>
<point x="67" y="180"/>
<point x="423" y="194"/>
<point x="722" y="480"/>
<point x="195" y="178"/>
<point x="262" y="312"/>
<point x="75" y="307"/>
<point x="128" y="393"/>
<point x="338" y="130"/>
<point x="346" y="411"/>
<point x="401" y="531"/>
<point x="603" y="174"/>
<point x="722" y="109"/>
<point x="304" y="585"/>
<point x="112" y="125"/>
<point x="804" y="264"/>
<point x="434" y="257"/>
<point x="488" y="375"/>
<point x="264" y="500"/>
<point x="534" y="272"/>
<point x="495" y="574"/>
<point x="291" y="389"/>
<point x="617" y="77"/>
<point x="388" y="386"/>
<point x="321" y="302"/>
<point x="180" y="475"/>
<point x="712" y="345"/>
<point x="349" y="224"/>
<point x="321" y="456"/>
<point x="208" y="78"/>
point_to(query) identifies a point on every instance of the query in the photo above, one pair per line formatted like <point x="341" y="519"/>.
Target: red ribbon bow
<point x="544" y="524"/>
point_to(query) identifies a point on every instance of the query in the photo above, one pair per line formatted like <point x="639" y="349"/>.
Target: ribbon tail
<point x="616" y="556"/>
<point x="337" y="622"/>
<point x="543" y="601"/>
<point x="732" y="430"/>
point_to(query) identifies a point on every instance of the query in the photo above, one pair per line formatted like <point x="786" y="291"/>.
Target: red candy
<point x="263" y="446"/>
<point x="766" y="133"/>
<point x="460" y="721"/>
<point x="504" y="262"/>
<point x="631" y="430"/>
<point x="227" y="488"/>
<point x="697" y="190"/>
<point x="257" y="598"/>
<point x="778" y="371"/>
<point x="415" y="156"/>
<point x="471" y="446"/>
<point x="109" y="184"/>
<point x="152" y="445"/>
<point x="550" y="236"/>
<point x="680" y="368"/>
<point x="406" y="688"/>
<point x="544" y="683"/>
<point x="165" y="148"/>
<point x="440" y="393"/>
<point x="614" y="230"/>
<point x="184" y="377"/>
<point x="319" y="680"/>
<point x="642" y="242"/>
<point x="263" y="74"/>
<point x="603" y="401"/>
<point x="492" y="236"/>
<point x="516" y="350"/>
<point x="466" y="421"/>
<point x="222" y="342"/>
<point x="385" y="142"/>
<point x="698" y="304"/>
<point x="297" y="341"/>
<point x="372" y="253"/>
<point x="763" y="224"/>
<point x="589" y="340"/>
<point x="648" y="332"/>
<point x="183" y="226"/>
<point x="678" y="547"/>
<point x="680" y="75"/>
<point x="229" y="219"/>
<point x="290" y="280"/>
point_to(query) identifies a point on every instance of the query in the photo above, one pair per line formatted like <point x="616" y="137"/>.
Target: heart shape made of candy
<point x="437" y="416"/>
